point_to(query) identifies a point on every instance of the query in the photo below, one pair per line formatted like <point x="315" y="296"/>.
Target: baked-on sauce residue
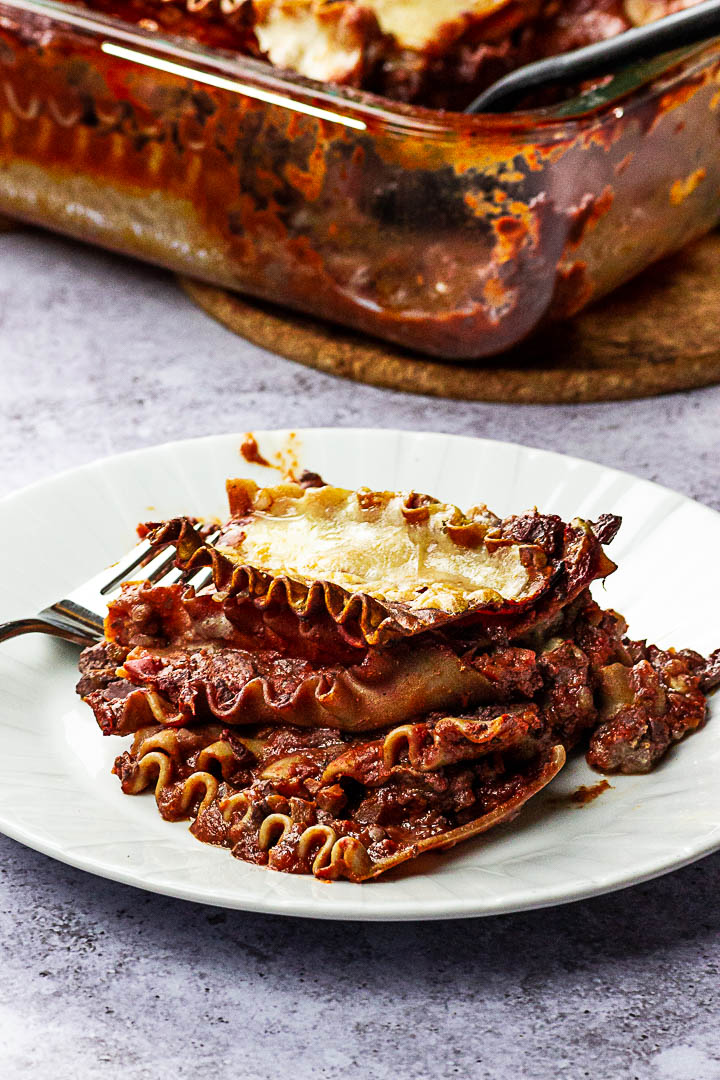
<point x="251" y="453"/>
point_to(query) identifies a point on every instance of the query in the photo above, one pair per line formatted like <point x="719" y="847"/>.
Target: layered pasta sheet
<point x="368" y="675"/>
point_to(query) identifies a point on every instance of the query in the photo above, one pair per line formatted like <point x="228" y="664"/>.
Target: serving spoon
<point x="683" y="28"/>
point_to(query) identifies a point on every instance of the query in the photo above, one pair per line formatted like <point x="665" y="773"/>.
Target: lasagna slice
<point x="437" y="53"/>
<point x="369" y="675"/>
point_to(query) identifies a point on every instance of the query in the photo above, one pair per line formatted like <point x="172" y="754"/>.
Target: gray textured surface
<point x="99" y="355"/>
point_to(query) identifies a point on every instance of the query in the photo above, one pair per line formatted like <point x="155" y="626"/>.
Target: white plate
<point x="56" y="791"/>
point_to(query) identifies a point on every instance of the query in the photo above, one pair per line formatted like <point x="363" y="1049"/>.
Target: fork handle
<point x="41" y="626"/>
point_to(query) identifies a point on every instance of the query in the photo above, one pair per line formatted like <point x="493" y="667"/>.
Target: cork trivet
<point x="658" y="333"/>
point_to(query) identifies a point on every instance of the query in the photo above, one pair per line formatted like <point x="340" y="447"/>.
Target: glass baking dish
<point x="450" y="234"/>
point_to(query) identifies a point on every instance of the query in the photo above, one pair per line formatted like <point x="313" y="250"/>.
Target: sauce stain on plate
<point x="286" y="461"/>
<point x="584" y="794"/>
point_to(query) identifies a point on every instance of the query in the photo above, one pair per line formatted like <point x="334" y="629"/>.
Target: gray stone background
<point x="100" y="355"/>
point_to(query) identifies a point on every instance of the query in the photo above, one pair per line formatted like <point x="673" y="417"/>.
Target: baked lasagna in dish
<point x="342" y="680"/>
<point x="438" y="53"/>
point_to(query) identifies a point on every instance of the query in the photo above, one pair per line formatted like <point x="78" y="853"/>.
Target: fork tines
<point x="146" y="554"/>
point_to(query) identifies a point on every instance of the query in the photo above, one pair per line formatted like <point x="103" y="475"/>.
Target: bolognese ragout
<point x="342" y="680"/>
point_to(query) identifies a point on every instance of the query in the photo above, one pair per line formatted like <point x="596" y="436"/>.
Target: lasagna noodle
<point x="587" y="676"/>
<point x="337" y="851"/>
<point x="171" y="659"/>
<point x="236" y="687"/>
<point x="383" y="566"/>
<point x="271" y="800"/>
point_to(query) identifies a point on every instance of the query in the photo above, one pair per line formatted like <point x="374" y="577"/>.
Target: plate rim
<point x="126" y="455"/>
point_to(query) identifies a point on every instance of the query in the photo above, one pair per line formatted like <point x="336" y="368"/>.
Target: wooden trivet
<point x="658" y="333"/>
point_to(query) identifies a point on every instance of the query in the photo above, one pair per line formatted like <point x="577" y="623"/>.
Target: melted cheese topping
<point x="364" y="542"/>
<point x="314" y="40"/>
<point x="309" y="49"/>
<point x="322" y="39"/>
<point x="415" y="24"/>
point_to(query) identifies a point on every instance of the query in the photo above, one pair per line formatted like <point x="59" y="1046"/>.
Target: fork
<point x="78" y="618"/>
